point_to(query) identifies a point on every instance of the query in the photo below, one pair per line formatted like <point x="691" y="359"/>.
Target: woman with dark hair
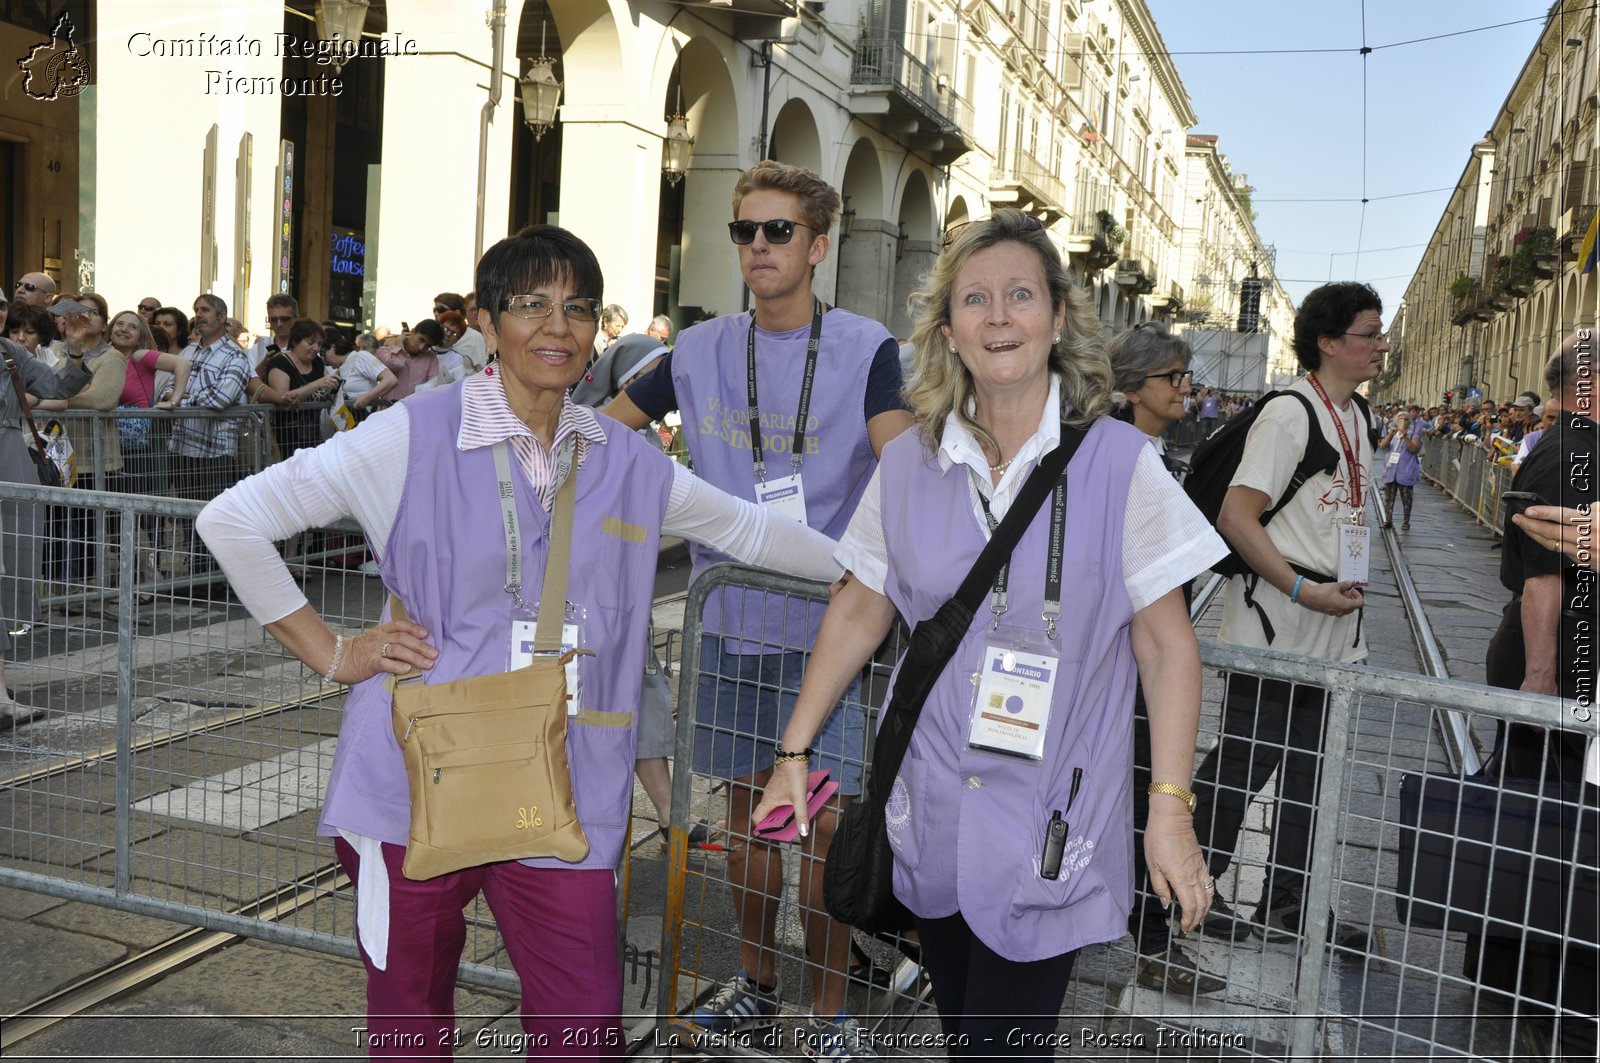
<point x="434" y="483"/>
<point x="33" y="327"/>
<point x="1009" y="362"/>
<point x="300" y="375"/>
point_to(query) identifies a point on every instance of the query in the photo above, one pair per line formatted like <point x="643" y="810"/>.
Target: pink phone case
<point x="780" y="826"/>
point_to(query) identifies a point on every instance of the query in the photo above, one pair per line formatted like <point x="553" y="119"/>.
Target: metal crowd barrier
<point x="1465" y="472"/>
<point x="1408" y="992"/>
<point x="176" y="765"/>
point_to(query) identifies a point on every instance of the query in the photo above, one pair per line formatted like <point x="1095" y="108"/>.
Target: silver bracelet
<point x="338" y="658"/>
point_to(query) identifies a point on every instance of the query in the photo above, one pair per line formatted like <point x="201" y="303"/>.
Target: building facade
<point x="249" y="149"/>
<point x="1500" y="282"/>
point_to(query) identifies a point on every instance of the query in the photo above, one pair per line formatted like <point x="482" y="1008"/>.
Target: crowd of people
<point x="514" y="427"/>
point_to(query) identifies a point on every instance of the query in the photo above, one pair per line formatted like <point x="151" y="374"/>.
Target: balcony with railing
<point x="1095" y="235"/>
<point x="1020" y="179"/>
<point x="887" y="79"/>
<point x="1136" y="271"/>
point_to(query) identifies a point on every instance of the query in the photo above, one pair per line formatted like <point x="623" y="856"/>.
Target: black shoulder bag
<point x="858" y="879"/>
<point x="49" y="474"/>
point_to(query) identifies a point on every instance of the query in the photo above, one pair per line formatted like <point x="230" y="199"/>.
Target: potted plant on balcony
<point x="1535" y="250"/>
<point x="1501" y="295"/>
<point x="1113" y="230"/>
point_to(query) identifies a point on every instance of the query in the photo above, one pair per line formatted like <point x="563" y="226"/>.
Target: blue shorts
<point x="744" y="703"/>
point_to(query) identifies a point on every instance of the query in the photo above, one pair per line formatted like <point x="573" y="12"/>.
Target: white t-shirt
<point x="360" y="374"/>
<point x="1166" y="542"/>
<point x="1306" y="531"/>
<point x="474" y="352"/>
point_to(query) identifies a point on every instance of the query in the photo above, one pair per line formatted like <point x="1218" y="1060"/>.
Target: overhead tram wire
<point x="1361" y="224"/>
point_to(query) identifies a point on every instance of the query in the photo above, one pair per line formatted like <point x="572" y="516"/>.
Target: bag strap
<point x="553" y="597"/>
<point x="894" y="735"/>
<point x="22" y="400"/>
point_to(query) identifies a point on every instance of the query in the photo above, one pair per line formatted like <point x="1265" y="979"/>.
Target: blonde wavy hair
<point x="941" y="384"/>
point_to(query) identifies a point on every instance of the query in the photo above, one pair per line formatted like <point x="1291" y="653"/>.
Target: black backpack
<point x="1214" y="461"/>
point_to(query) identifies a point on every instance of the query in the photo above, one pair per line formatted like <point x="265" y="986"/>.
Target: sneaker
<point x="739" y="1005"/>
<point x="843" y="1038"/>
<point x="1283" y="923"/>
<point x="1223" y="922"/>
<point x="1175" y="971"/>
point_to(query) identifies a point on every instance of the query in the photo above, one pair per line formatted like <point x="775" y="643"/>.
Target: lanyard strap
<point x="1350" y="457"/>
<point x="1053" y="560"/>
<point x="797" y="449"/>
<point x="553" y="601"/>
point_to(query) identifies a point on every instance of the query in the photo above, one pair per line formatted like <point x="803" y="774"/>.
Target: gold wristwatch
<point x="1173" y="790"/>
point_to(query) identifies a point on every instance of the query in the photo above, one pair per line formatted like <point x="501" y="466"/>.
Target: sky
<point x="1293" y="123"/>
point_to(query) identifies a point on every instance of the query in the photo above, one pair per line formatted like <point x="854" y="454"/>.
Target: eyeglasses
<point x="144" y="309"/>
<point x="440" y="309"/>
<point x="1030" y="224"/>
<point x="1370" y="337"/>
<point x="776" y="230"/>
<point x="24" y="286"/>
<point x="1177" y="377"/>
<point x="529" y="307"/>
<point x="271" y="320"/>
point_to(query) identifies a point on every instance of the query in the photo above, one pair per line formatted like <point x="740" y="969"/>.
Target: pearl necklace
<point x="1004" y="465"/>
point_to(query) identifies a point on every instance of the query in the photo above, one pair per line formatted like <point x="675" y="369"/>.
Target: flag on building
<point x="1587" y="252"/>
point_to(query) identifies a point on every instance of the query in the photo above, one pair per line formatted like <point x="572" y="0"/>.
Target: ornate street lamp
<point x="847" y="219"/>
<point x="677" y="149"/>
<point x="341" y="19"/>
<point x="900" y="242"/>
<point x="541" y="92"/>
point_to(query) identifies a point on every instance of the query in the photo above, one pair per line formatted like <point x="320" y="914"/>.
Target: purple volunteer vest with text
<point x="709" y="378"/>
<point x="968" y="826"/>
<point x="446" y="559"/>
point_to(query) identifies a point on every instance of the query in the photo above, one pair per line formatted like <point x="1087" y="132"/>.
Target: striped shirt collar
<point x="487" y="417"/>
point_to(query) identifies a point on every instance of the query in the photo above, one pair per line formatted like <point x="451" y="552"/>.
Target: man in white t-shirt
<point x="1297" y="599"/>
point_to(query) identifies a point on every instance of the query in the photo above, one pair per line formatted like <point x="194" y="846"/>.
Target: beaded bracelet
<point x="781" y="755"/>
<point x="338" y="658"/>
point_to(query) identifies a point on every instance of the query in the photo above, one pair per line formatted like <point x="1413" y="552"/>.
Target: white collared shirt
<point x="1165" y="540"/>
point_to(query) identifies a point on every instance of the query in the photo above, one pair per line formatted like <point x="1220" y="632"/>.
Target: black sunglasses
<point x="1030" y="224"/>
<point x="776" y="230"/>
<point x="24" y="286"/>
<point x="440" y="309"/>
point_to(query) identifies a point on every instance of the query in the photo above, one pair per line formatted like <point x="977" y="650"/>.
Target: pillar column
<point x="866" y="268"/>
<point x="611" y="198"/>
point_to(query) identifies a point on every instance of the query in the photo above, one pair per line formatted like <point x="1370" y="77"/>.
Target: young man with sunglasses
<point x="822" y="387"/>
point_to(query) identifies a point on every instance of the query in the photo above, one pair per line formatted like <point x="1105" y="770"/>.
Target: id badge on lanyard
<point x="523" y="654"/>
<point x="1355" y="541"/>
<point x="785" y="495"/>
<point x="1013" y="694"/>
<point x="1014" y="687"/>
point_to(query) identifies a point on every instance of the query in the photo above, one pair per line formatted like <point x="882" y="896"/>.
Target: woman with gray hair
<point x="1009" y="365"/>
<point x="1154" y="378"/>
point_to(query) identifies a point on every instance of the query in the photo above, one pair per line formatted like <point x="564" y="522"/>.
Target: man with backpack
<point x="1289" y="482"/>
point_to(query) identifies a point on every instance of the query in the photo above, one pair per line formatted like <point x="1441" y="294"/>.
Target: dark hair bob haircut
<point x="1329" y="311"/>
<point x="303" y="329"/>
<point x="536" y="256"/>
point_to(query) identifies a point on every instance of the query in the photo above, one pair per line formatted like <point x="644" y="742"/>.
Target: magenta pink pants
<point x="560" y="932"/>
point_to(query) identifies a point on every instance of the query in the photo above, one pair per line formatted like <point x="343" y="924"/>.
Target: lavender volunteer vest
<point x="968" y="826"/>
<point x="709" y="378"/>
<point x="446" y="560"/>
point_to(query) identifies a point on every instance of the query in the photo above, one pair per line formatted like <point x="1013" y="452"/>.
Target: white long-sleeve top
<point x="362" y="473"/>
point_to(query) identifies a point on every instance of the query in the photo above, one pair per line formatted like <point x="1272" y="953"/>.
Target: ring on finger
<point x="1211" y="885"/>
<point x="383" y="651"/>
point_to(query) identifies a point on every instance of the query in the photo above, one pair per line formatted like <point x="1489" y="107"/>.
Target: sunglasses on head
<point x="776" y="230"/>
<point x="1030" y="224"/>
